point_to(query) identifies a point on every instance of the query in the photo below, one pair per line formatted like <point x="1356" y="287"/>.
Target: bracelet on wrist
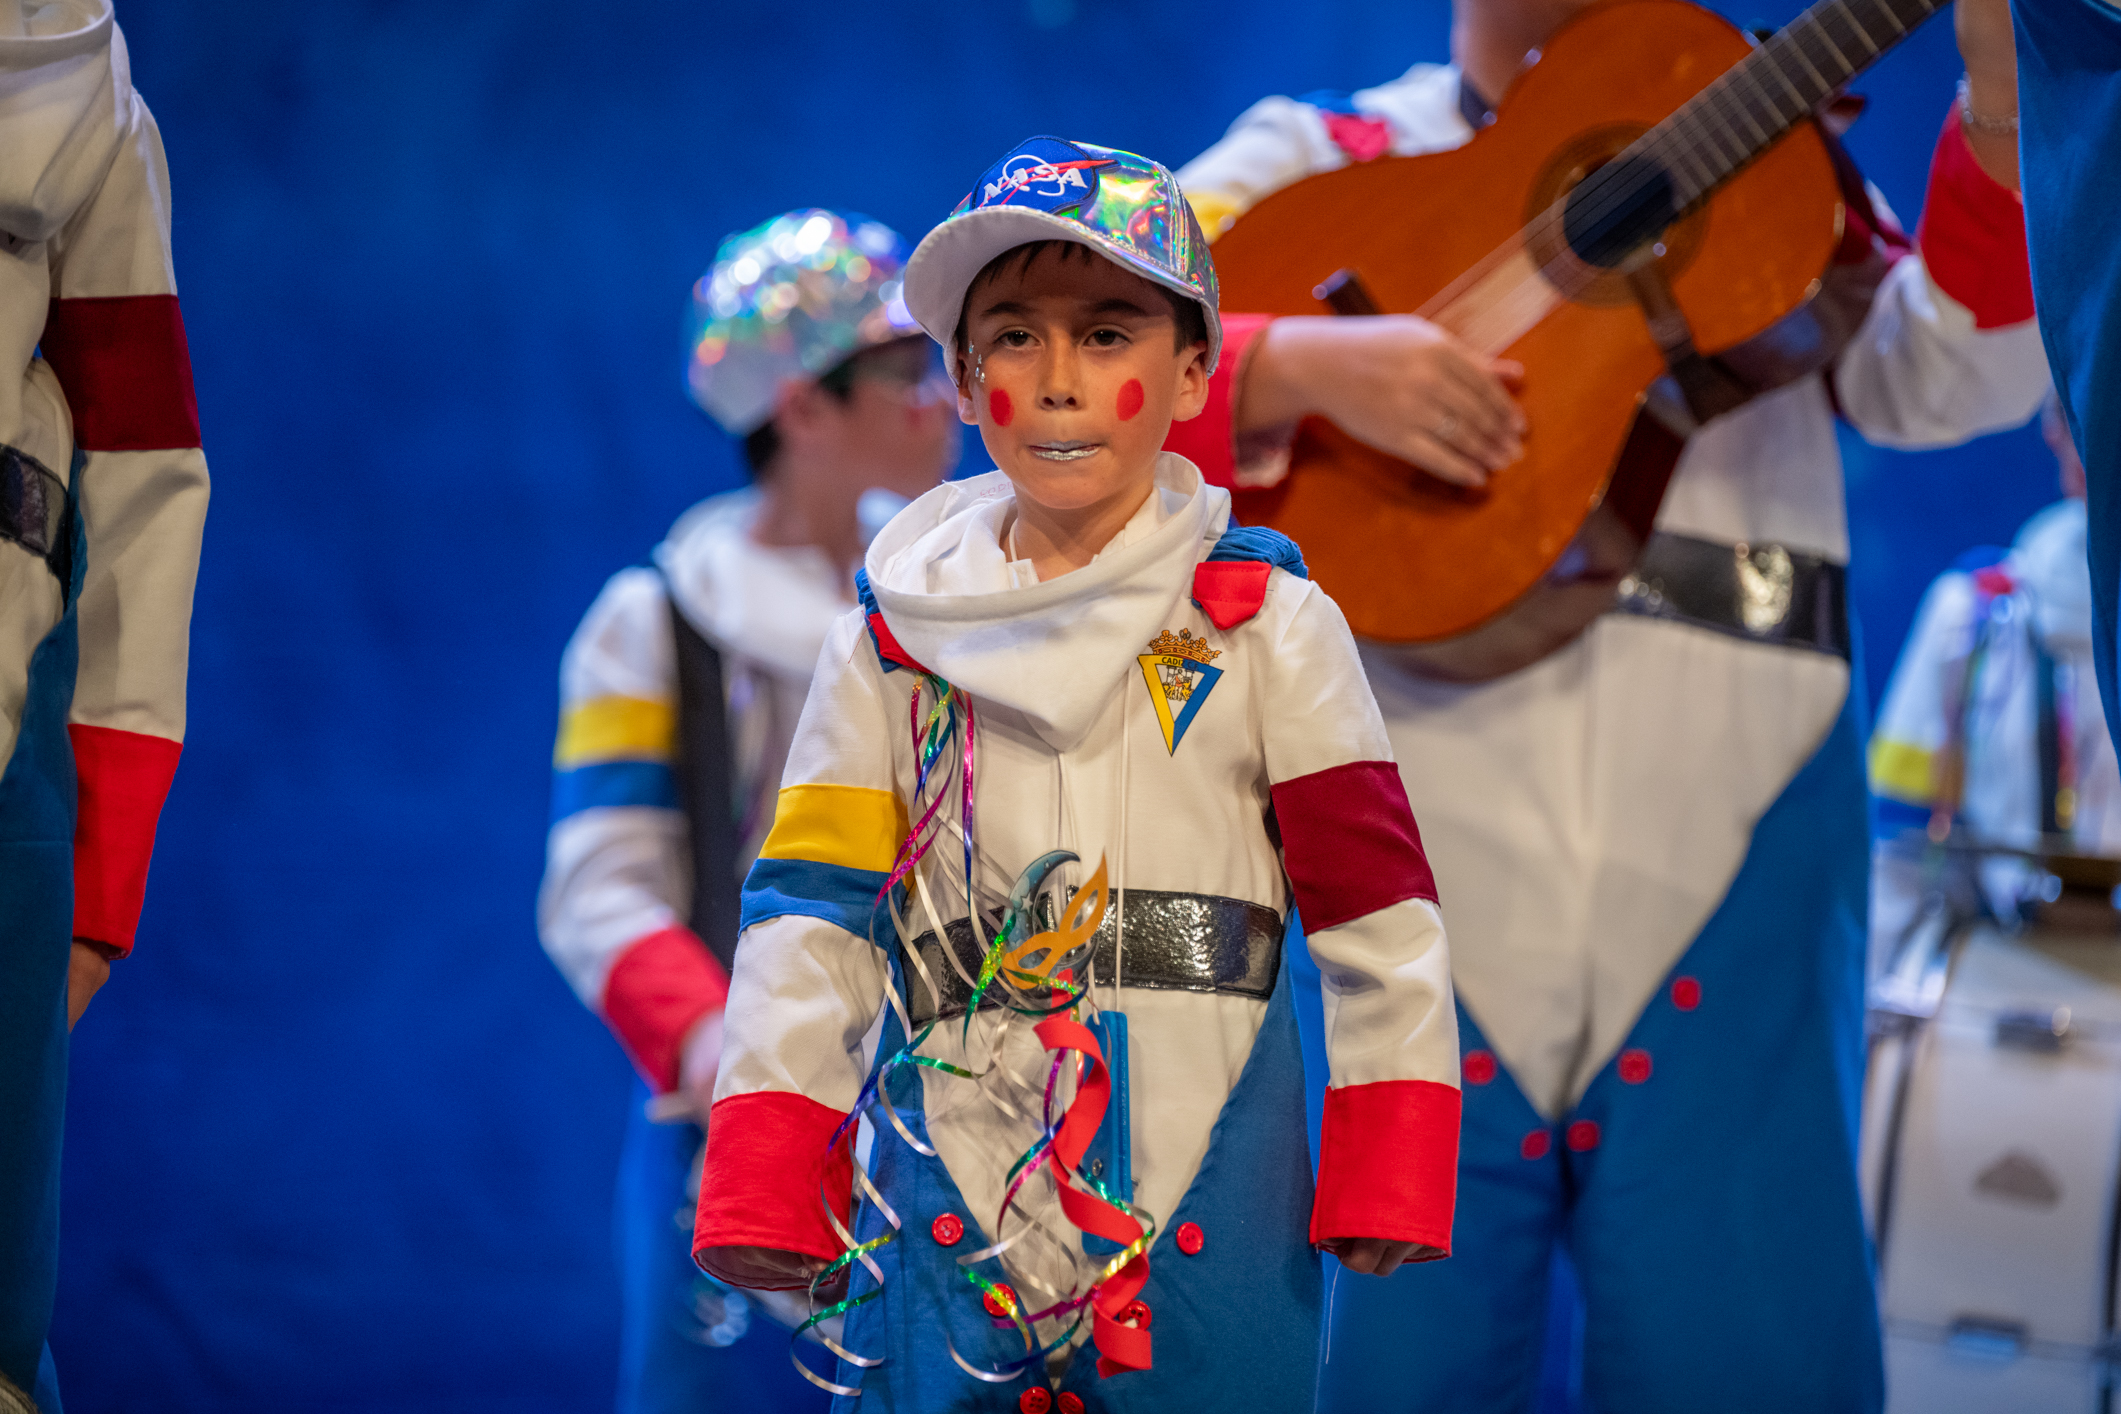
<point x="1982" y="122"/>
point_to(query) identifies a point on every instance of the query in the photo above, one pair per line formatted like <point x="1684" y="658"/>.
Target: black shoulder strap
<point x="706" y="786"/>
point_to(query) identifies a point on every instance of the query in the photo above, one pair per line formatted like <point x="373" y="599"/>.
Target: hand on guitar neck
<point x="1394" y="381"/>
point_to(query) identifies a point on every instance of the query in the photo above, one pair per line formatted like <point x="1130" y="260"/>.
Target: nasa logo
<point x="1044" y="174"/>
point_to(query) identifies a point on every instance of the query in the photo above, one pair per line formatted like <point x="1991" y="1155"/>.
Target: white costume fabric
<point x="1587" y="814"/>
<point x="618" y="870"/>
<point x="97" y="364"/>
<point x="1070" y="754"/>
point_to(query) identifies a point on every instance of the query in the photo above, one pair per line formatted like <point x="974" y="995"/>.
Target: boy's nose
<point x="1060" y="388"/>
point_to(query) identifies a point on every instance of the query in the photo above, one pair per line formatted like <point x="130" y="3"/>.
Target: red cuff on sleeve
<point x="127" y="372"/>
<point x="1349" y="843"/>
<point x="1388" y="1163"/>
<point x="1972" y="235"/>
<point x="768" y="1174"/>
<point x="123" y="779"/>
<point x="1209" y="441"/>
<point x="662" y="984"/>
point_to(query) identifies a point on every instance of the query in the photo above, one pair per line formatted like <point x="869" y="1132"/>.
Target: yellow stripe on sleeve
<point x="616" y="729"/>
<point x="1904" y="771"/>
<point x="850" y="826"/>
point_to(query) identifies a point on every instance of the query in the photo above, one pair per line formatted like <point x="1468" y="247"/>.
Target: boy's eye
<point x="1107" y="338"/>
<point x="1013" y="338"/>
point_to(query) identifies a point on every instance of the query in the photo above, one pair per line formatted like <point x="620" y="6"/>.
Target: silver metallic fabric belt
<point x="1761" y="593"/>
<point x="1175" y="942"/>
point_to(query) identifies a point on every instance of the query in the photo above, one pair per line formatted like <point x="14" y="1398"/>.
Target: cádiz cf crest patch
<point x="1176" y="667"/>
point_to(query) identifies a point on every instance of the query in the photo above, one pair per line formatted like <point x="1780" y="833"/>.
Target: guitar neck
<point x="1743" y="112"/>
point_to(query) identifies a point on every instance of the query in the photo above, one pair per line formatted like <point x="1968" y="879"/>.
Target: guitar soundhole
<point x="1582" y="242"/>
<point x="1617" y="210"/>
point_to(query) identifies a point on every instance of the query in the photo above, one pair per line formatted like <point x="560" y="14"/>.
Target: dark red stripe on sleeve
<point x="1388" y="1164"/>
<point x="660" y="986"/>
<point x="767" y="1174"/>
<point x="1349" y="843"/>
<point x="124" y="778"/>
<point x="1209" y="441"/>
<point x="1972" y="235"/>
<point x="126" y="370"/>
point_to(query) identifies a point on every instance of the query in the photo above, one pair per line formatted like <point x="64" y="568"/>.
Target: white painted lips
<point x="1064" y="451"/>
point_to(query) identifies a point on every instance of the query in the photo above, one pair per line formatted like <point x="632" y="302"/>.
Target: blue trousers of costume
<point x="37" y="811"/>
<point x="687" y="1343"/>
<point x="1235" y="1325"/>
<point x="1708" y="1207"/>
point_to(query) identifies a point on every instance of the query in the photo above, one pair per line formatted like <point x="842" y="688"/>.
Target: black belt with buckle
<point x="1175" y="942"/>
<point x="1761" y="593"/>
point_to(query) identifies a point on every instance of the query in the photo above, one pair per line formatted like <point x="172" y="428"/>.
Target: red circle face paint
<point x="1130" y="399"/>
<point x="999" y="407"/>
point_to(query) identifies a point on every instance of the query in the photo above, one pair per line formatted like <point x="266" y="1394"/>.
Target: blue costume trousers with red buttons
<point x="1235" y="1321"/>
<point x="1704" y="1188"/>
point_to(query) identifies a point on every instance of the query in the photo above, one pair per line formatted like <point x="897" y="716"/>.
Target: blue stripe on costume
<point x="2069" y="96"/>
<point x="871" y="612"/>
<point x="613" y="783"/>
<point x="1256" y="542"/>
<point x="833" y="892"/>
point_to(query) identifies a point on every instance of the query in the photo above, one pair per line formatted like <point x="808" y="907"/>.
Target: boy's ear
<point x="1192" y="384"/>
<point x="967" y="409"/>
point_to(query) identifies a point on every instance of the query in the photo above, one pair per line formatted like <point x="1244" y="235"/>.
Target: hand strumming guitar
<point x="1395" y="381"/>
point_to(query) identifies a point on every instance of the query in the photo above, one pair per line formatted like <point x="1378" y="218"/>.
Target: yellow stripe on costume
<point x="1904" y="771"/>
<point x="616" y="729"/>
<point x="851" y="826"/>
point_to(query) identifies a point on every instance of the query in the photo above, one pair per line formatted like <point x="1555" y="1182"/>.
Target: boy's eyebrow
<point x="1114" y="305"/>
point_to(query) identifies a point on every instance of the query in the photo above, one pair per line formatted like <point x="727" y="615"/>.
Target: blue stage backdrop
<point x="340" y="1138"/>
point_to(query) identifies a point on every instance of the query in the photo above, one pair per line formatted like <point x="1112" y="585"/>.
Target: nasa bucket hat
<point x="1123" y="206"/>
<point x="793" y="298"/>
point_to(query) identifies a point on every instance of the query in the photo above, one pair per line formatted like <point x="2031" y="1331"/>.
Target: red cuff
<point x="1349" y="843"/>
<point x="123" y="779"/>
<point x="1972" y="235"/>
<point x="768" y="1174"/>
<point x="127" y="372"/>
<point x="662" y="984"/>
<point x="1209" y="441"/>
<point x="1388" y="1163"/>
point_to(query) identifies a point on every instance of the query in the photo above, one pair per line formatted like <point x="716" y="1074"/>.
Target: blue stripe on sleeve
<point x="832" y="892"/>
<point x="609" y="783"/>
<point x="1892" y="818"/>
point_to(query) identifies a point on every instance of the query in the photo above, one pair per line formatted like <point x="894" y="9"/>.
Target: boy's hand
<point x="1372" y="1256"/>
<point x="1395" y="381"/>
<point x="770" y="1269"/>
<point x="700" y="1061"/>
<point x="86" y="972"/>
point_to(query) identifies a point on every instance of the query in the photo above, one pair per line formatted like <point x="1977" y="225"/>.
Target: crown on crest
<point x="1183" y="645"/>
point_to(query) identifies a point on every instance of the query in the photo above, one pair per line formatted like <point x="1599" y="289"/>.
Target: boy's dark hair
<point x="1190" y="319"/>
<point x="763" y="444"/>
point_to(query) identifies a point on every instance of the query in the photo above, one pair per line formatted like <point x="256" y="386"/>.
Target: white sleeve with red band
<point x="807" y="985"/>
<point x="1388" y="1153"/>
<point x="615" y="858"/>
<point x="114" y="337"/>
<point x="1949" y="350"/>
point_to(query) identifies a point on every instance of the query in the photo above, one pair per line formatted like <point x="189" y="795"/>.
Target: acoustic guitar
<point x="1654" y="189"/>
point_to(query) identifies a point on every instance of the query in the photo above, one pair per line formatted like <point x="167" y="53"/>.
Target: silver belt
<point x="1175" y="942"/>
<point x="1763" y="593"/>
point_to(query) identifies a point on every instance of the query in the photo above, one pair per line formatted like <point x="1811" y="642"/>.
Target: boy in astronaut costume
<point x="800" y="344"/>
<point x="1127" y="678"/>
<point x="1991" y="724"/>
<point x="1658" y="831"/>
<point x="102" y="500"/>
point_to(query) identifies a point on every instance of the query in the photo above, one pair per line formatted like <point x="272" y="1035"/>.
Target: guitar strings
<point x="1492" y="320"/>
